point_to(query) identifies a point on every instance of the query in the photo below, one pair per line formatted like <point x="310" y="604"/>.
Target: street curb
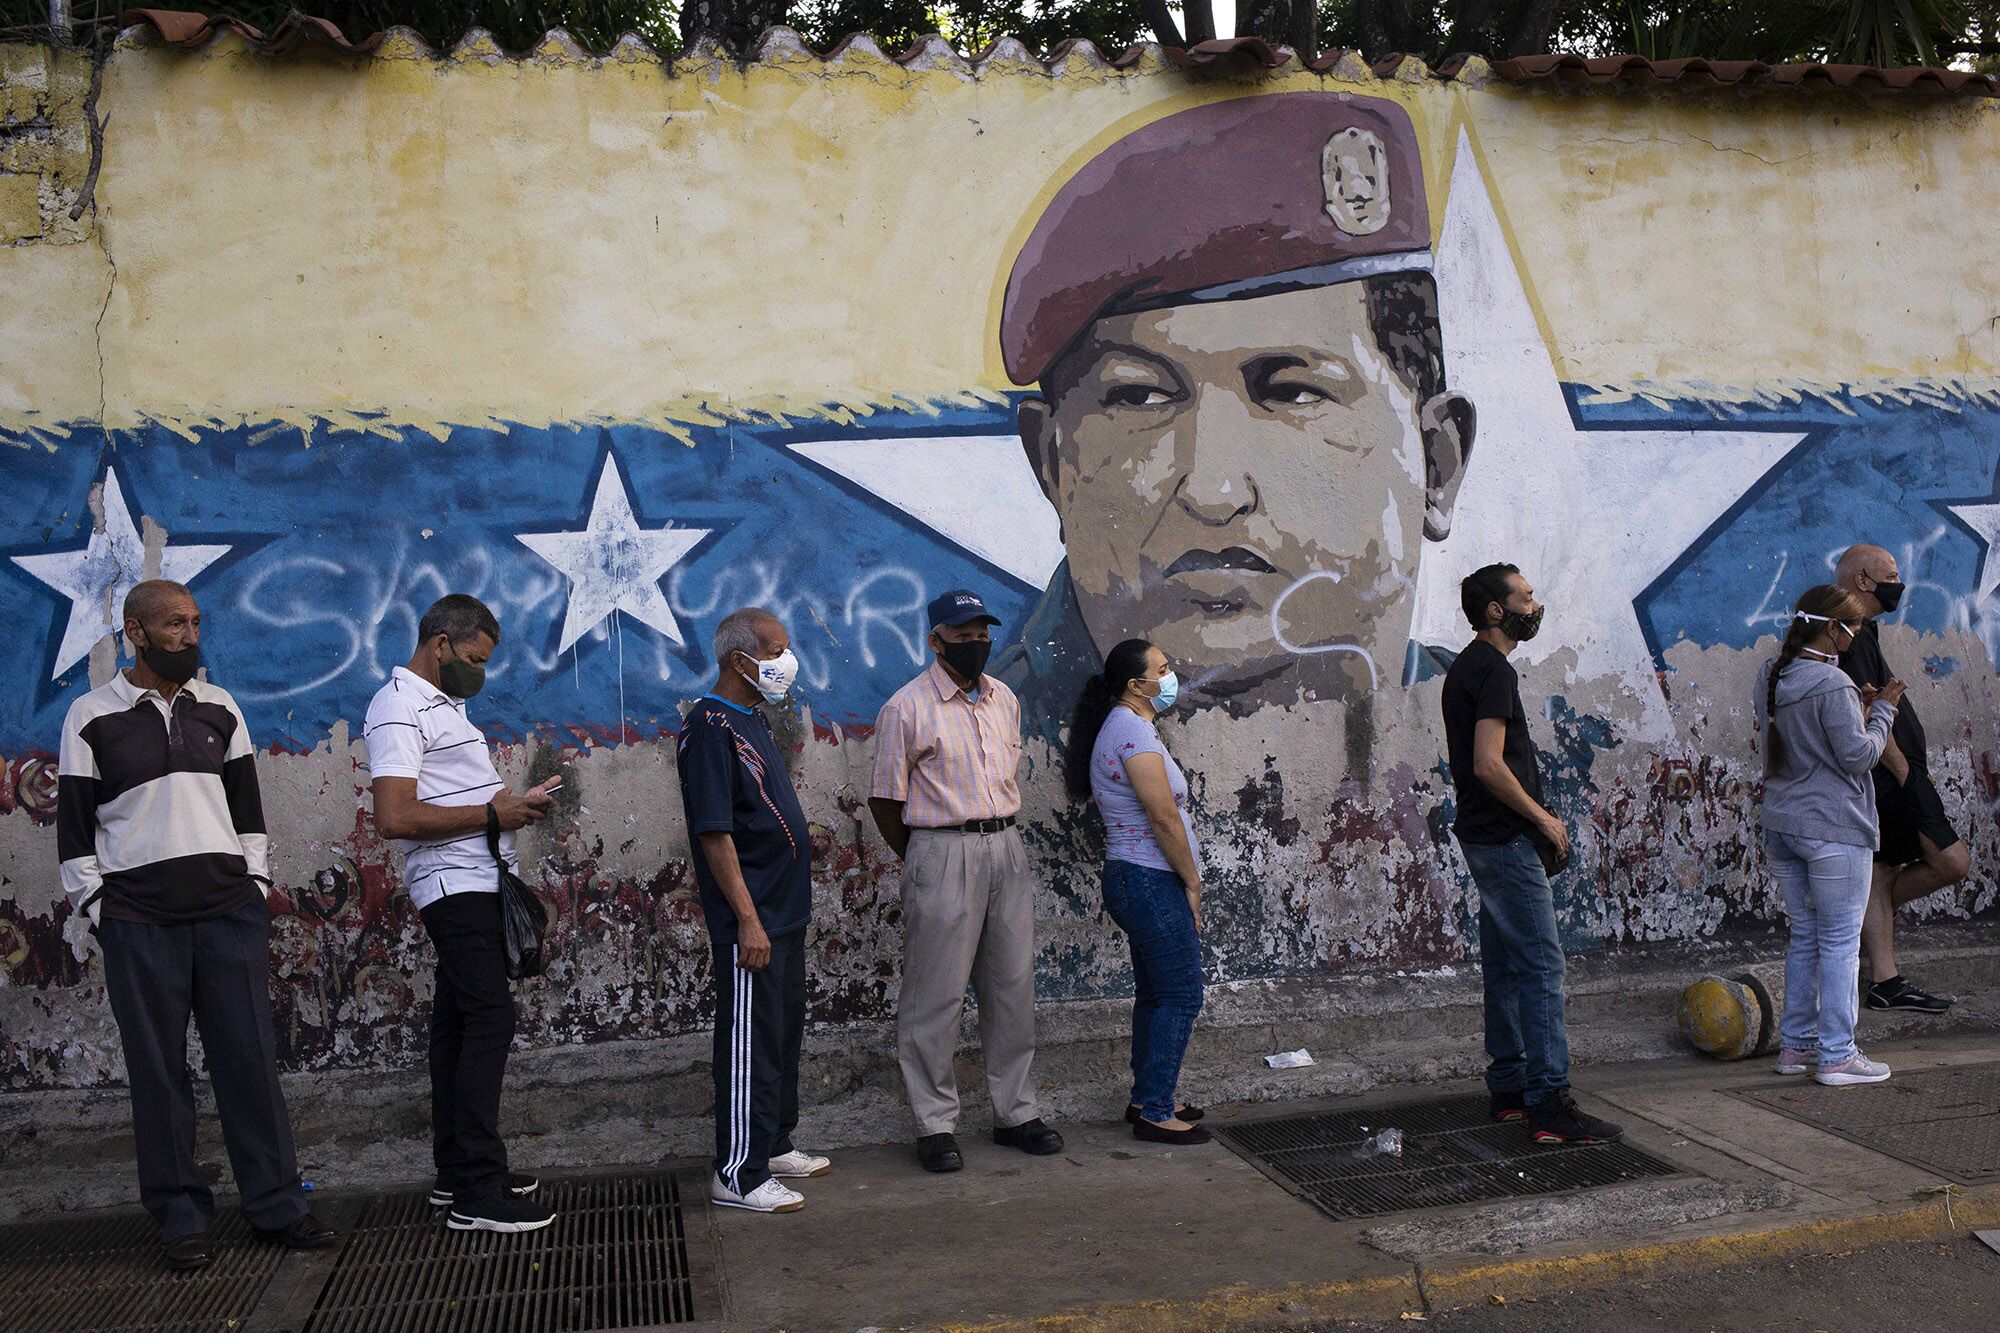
<point x="1463" y="1284"/>
<point x="1230" y="1307"/>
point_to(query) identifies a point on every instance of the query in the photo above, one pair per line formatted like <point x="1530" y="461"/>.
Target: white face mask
<point x="774" y="678"/>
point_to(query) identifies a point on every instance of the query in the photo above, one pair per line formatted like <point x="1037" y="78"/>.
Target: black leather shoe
<point x="1184" y="1112"/>
<point x="303" y="1233"/>
<point x="939" y="1152"/>
<point x="1030" y="1137"/>
<point x="189" y="1252"/>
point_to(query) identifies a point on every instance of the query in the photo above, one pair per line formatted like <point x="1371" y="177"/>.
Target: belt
<point x="981" y="825"/>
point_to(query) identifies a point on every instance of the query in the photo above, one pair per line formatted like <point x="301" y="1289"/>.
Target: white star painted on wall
<point x="1592" y="517"/>
<point x="97" y="578"/>
<point x="614" y="564"/>
<point x="1981" y="518"/>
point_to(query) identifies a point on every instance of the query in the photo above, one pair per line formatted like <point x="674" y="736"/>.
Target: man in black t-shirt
<point x="1510" y="840"/>
<point x="753" y="865"/>
<point x="1921" y="852"/>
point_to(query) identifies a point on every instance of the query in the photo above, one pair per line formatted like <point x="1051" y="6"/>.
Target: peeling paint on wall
<point x="659" y="347"/>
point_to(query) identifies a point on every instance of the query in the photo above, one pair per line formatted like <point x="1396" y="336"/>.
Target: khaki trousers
<point x="968" y="915"/>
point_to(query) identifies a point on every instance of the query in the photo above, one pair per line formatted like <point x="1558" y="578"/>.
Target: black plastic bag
<point x="523" y="917"/>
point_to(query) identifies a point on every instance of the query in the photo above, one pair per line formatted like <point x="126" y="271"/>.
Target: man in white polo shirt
<point x="435" y="787"/>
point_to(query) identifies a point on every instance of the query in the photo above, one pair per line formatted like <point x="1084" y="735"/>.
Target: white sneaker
<point x="1856" y="1068"/>
<point x="796" y="1165"/>
<point x="769" y="1197"/>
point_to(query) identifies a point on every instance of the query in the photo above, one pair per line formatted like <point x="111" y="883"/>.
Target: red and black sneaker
<point x="1507" y="1107"/>
<point x="1557" y="1119"/>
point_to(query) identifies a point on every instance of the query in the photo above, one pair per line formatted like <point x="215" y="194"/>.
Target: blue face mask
<point x="1170" y="690"/>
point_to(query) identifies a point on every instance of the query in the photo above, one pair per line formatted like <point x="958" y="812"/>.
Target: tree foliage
<point x="1875" y="32"/>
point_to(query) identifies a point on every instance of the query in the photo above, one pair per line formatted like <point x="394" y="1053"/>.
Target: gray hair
<point x="147" y="600"/>
<point x="741" y="632"/>
<point x="460" y="617"/>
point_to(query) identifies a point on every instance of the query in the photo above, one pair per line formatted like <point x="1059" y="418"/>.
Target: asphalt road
<point x="1929" y="1287"/>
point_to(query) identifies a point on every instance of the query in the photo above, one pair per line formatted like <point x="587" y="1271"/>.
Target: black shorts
<point x="1906" y="811"/>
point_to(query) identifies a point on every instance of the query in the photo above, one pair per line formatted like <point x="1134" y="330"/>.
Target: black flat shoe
<point x="939" y="1152"/>
<point x="1031" y="1136"/>
<point x="188" y="1253"/>
<point x="1152" y="1133"/>
<point x="1187" y="1113"/>
<point x="302" y="1233"/>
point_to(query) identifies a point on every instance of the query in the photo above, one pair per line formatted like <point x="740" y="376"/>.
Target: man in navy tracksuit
<point x="753" y="862"/>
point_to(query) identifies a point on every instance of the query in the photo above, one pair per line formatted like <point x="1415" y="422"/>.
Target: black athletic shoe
<point x="1557" y="1119"/>
<point x="502" y="1213"/>
<point x="1507" y="1106"/>
<point x="1897" y="993"/>
<point x="518" y="1184"/>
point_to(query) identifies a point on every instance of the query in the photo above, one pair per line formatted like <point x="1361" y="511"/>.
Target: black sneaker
<point x="1507" y="1106"/>
<point x="505" y="1213"/>
<point x="1897" y="993"/>
<point x="1557" y="1119"/>
<point x="518" y="1184"/>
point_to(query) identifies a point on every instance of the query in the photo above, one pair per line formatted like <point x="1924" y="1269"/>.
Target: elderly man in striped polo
<point x="161" y="833"/>
<point x="945" y="796"/>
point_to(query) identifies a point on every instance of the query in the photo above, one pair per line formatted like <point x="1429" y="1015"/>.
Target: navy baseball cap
<point x="960" y="606"/>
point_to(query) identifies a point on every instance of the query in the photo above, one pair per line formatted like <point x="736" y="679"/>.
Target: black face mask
<point x="461" y="680"/>
<point x="967" y="659"/>
<point x="1890" y="595"/>
<point x="178" y="665"/>
<point x="1521" y="628"/>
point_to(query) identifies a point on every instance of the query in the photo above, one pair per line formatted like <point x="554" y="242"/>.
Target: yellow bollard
<point x="1728" y="1018"/>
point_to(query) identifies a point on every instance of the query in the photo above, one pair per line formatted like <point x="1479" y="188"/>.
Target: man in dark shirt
<point x="753" y="864"/>
<point x="1921" y="852"/>
<point x="1505" y="831"/>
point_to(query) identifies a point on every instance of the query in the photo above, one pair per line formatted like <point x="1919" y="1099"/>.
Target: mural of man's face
<point x="1249" y="484"/>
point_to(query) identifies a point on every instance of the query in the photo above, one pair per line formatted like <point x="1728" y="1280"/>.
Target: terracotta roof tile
<point x="1636" y="71"/>
<point x="190" y="30"/>
<point x="180" y="28"/>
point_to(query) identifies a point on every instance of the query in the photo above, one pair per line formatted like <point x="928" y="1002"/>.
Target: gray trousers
<point x="968" y="915"/>
<point x="218" y="971"/>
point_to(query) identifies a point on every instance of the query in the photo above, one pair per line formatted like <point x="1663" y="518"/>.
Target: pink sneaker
<point x="1856" y="1068"/>
<point x="1794" y="1061"/>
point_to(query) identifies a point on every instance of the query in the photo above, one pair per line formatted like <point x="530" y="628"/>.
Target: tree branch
<point x="1161" y="20"/>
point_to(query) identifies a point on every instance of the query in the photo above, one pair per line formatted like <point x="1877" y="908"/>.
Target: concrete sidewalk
<point x="1116" y="1234"/>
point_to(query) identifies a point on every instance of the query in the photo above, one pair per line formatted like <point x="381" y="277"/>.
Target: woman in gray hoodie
<point x="1822" y="736"/>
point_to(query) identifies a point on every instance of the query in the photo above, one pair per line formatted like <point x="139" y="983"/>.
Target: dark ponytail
<point x="1123" y="665"/>
<point x="1827" y="600"/>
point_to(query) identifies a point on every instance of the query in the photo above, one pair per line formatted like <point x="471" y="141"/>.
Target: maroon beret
<point x="1220" y="202"/>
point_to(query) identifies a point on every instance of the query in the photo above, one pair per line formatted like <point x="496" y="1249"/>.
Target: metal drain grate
<point x="104" y="1274"/>
<point x="616" y="1257"/>
<point x="1452" y="1153"/>
<point x="1943" y="1120"/>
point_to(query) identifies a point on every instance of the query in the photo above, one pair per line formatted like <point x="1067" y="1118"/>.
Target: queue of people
<point x="164" y="850"/>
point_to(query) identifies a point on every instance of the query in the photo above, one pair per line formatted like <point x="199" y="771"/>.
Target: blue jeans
<point x="1521" y="960"/>
<point x="1151" y="907"/>
<point x="1826" y="894"/>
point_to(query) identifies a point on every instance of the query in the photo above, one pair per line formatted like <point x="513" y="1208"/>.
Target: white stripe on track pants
<point x="760" y="1020"/>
